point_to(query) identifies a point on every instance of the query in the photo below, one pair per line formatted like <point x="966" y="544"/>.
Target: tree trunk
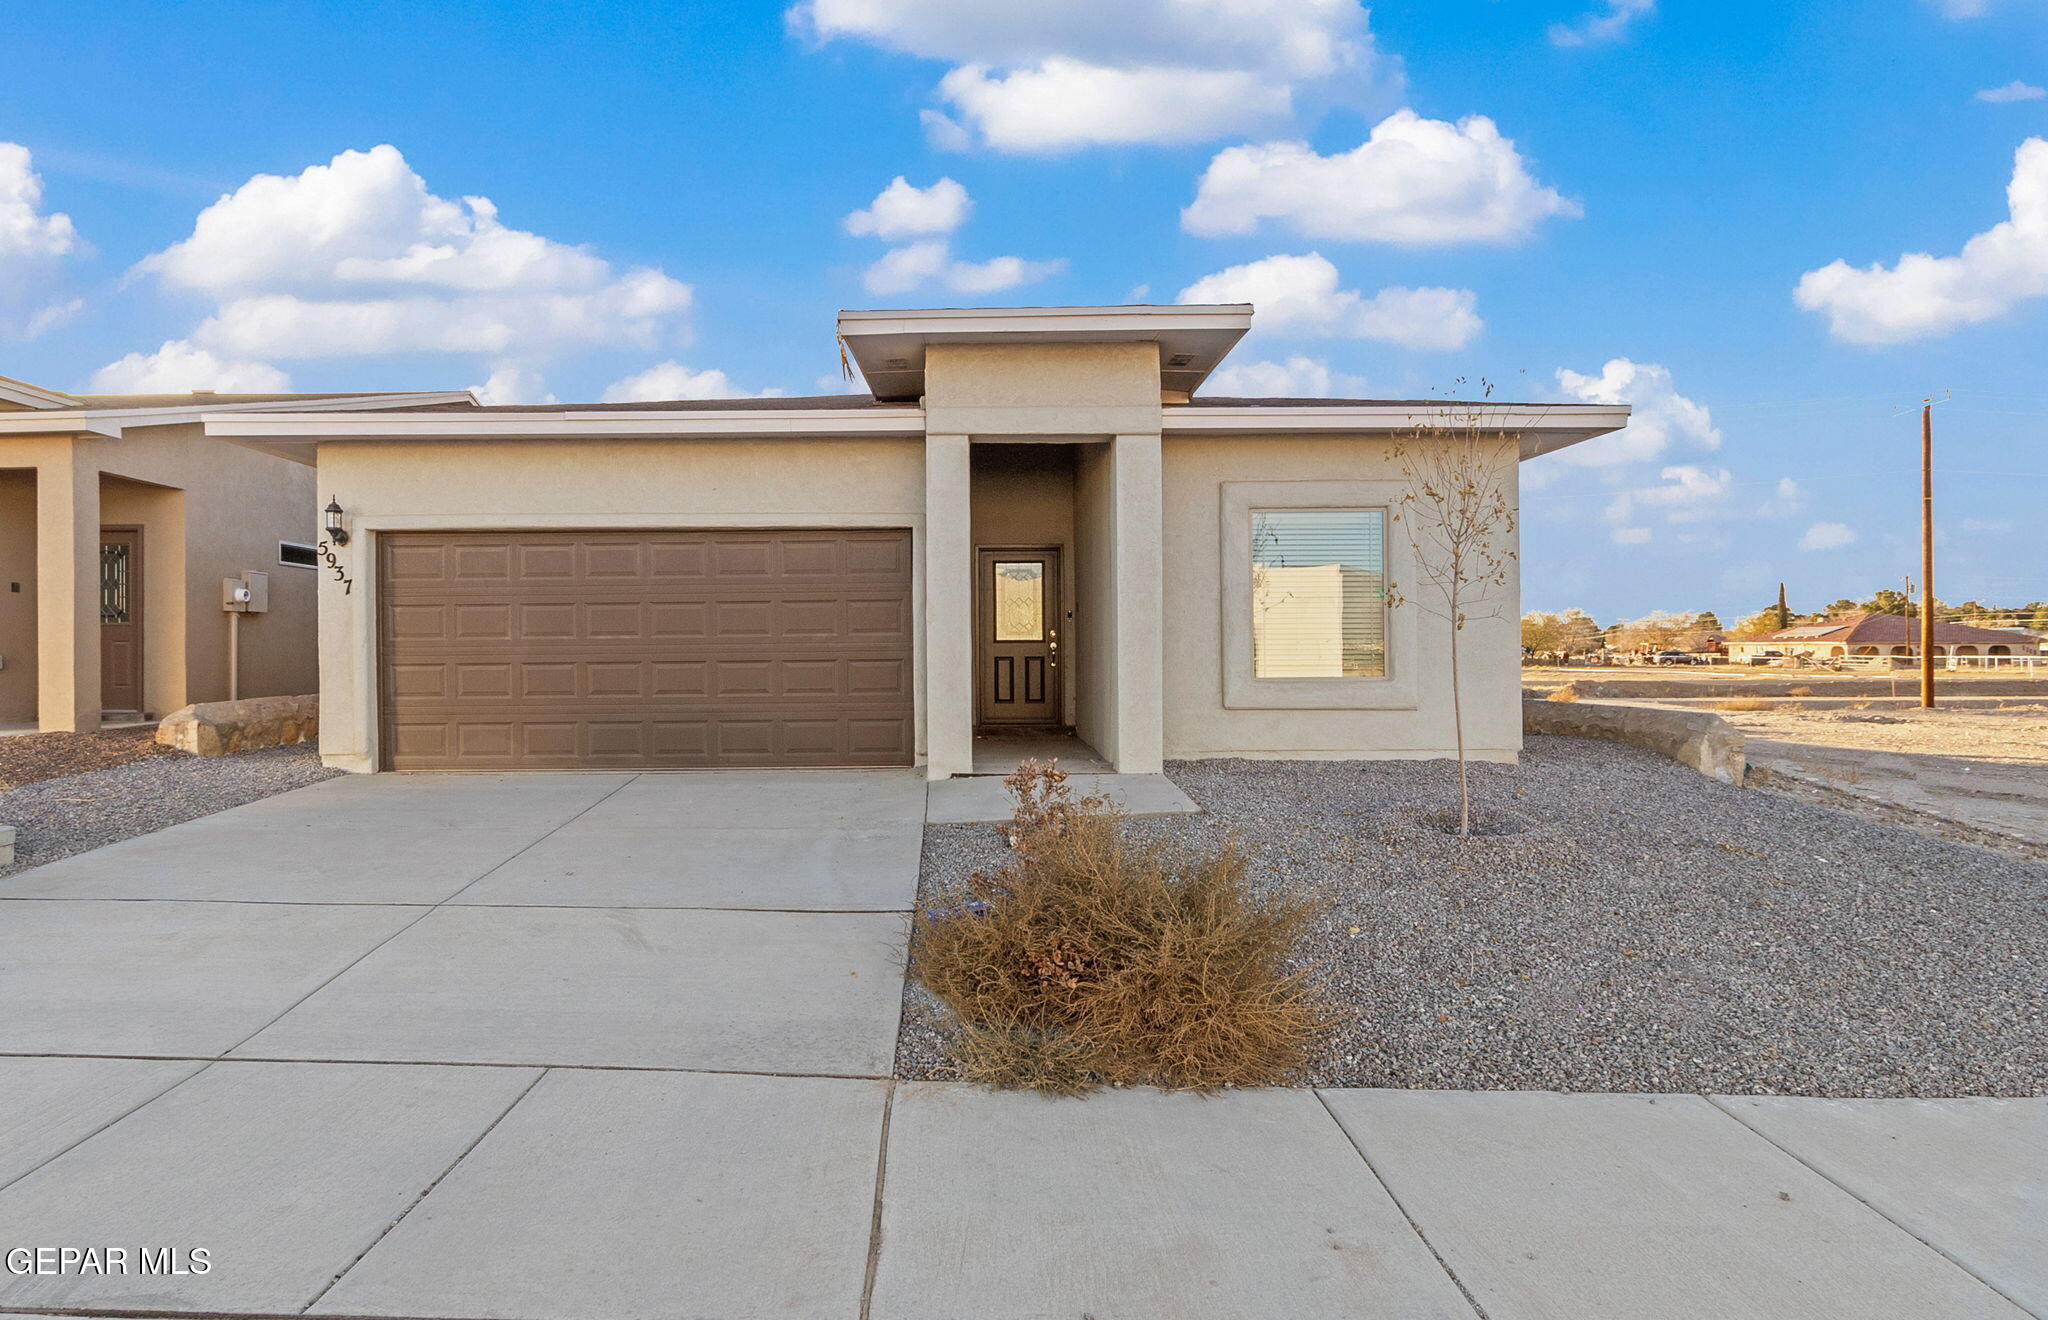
<point x="1458" y="727"/>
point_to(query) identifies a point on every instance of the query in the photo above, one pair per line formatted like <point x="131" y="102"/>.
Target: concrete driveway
<point x="614" y="1046"/>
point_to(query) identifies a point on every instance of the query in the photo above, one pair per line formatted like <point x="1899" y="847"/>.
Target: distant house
<point x="119" y="520"/>
<point x="1881" y="635"/>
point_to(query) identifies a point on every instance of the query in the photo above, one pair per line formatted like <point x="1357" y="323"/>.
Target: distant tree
<point x="1784" y="611"/>
<point x="2037" y="616"/>
<point x="1835" y="609"/>
<point x="1570" y="633"/>
<point x="1542" y="632"/>
<point x="1888" y="601"/>
<point x="1707" y="621"/>
<point x="1581" y="634"/>
<point x="1656" y="631"/>
<point x="1760" y="624"/>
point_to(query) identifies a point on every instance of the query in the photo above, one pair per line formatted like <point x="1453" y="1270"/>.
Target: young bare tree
<point x="1459" y="517"/>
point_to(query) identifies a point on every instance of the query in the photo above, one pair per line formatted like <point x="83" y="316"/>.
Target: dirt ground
<point x="30" y="758"/>
<point x="1974" y="768"/>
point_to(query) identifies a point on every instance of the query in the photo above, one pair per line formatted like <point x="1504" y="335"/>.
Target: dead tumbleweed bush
<point x="1744" y="703"/>
<point x="1091" y="958"/>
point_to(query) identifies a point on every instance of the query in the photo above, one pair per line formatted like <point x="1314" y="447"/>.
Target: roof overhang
<point x="111" y="422"/>
<point x="33" y="396"/>
<point x="889" y="346"/>
<point x="1539" y="428"/>
<point x="288" y="429"/>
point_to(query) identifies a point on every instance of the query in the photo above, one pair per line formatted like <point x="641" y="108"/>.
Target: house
<point x="119" y="521"/>
<point x="1034" y="520"/>
<point x="1880" y="635"/>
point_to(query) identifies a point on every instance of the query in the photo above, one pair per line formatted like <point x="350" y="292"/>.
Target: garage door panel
<point x="648" y="650"/>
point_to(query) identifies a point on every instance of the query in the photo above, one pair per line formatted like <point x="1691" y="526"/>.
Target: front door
<point x="121" y="619"/>
<point x="1019" y="638"/>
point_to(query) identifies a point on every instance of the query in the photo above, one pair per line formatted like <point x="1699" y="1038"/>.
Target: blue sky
<point x="672" y="185"/>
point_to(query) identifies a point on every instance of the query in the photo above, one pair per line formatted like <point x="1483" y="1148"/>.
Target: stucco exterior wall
<point x="654" y="484"/>
<point x="994" y="390"/>
<point x="1413" y="714"/>
<point x="17" y="596"/>
<point x="1094" y="676"/>
<point x="207" y="510"/>
<point x="226" y="507"/>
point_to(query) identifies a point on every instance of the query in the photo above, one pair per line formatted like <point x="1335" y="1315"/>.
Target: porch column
<point x="67" y="596"/>
<point x="1138" y="526"/>
<point x="948" y="609"/>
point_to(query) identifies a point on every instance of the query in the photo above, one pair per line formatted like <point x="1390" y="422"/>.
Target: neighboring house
<point x="1881" y="635"/>
<point x="119" y="519"/>
<point x="1032" y="522"/>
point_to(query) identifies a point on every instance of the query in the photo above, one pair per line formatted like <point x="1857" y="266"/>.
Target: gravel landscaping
<point x="58" y="817"/>
<point x="28" y="758"/>
<point x="1628" y="925"/>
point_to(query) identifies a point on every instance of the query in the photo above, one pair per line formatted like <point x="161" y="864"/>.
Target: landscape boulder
<point x="216" y="728"/>
<point x="1704" y="741"/>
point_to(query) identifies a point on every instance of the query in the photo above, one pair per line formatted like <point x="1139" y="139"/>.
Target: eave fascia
<point x="109" y="423"/>
<point x="295" y="428"/>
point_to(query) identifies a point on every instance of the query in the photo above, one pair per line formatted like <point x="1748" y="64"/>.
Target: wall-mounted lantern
<point x="337" y="525"/>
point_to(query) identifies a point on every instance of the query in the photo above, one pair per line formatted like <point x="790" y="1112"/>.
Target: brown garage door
<point x="643" y="650"/>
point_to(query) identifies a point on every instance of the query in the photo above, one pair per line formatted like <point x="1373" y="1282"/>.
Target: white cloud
<point x="511" y="383"/>
<point x="180" y="366"/>
<point x="2012" y="91"/>
<point x="1632" y="536"/>
<point x="918" y="265"/>
<point x="1661" y="416"/>
<point x="1610" y="23"/>
<point x="1785" y="500"/>
<point x="1827" y="536"/>
<point x="1300" y="295"/>
<point x="1063" y="74"/>
<point x="1689" y="494"/>
<point x="1962" y="8"/>
<point x="930" y="216"/>
<point x="1923" y="296"/>
<point x="672" y="380"/>
<point x="1297" y="378"/>
<point x="356" y="257"/>
<point x="1986" y="526"/>
<point x="903" y="210"/>
<point x="1413" y="181"/>
<point x="33" y="245"/>
<point x="1064" y="103"/>
<point x="1685" y="493"/>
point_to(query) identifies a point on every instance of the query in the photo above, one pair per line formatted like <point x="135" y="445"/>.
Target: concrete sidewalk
<point x="598" y="1047"/>
<point x="596" y="1194"/>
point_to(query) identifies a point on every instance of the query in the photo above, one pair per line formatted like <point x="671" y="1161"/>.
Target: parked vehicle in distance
<point x="1674" y="658"/>
<point x="1767" y="657"/>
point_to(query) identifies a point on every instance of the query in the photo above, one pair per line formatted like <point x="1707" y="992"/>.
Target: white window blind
<point x="1319" y="593"/>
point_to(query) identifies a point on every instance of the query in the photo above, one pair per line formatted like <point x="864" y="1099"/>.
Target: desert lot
<point x="1974" y="768"/>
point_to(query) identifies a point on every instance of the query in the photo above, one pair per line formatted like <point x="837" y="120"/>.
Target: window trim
<point x="312" y="550"/>
<point x="1398" y="689"/>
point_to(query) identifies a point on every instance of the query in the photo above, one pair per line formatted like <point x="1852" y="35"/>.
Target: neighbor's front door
<point x="1019" y="642"/>
<point x="121" y="619"/>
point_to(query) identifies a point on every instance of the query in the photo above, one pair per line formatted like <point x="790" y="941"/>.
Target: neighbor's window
<point x="297" y="554"/>
<point x="1319" y="593"/>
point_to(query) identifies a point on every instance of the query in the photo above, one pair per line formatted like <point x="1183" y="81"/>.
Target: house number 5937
<point x="328" y="557"/>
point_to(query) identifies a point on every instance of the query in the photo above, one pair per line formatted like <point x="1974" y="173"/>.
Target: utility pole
<point x="1927" y="554"/>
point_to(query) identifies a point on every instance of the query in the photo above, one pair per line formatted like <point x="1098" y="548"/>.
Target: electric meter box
<point x="247" y="594"/>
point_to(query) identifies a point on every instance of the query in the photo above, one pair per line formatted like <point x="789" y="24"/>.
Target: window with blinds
<point x="1319" y="593"/>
